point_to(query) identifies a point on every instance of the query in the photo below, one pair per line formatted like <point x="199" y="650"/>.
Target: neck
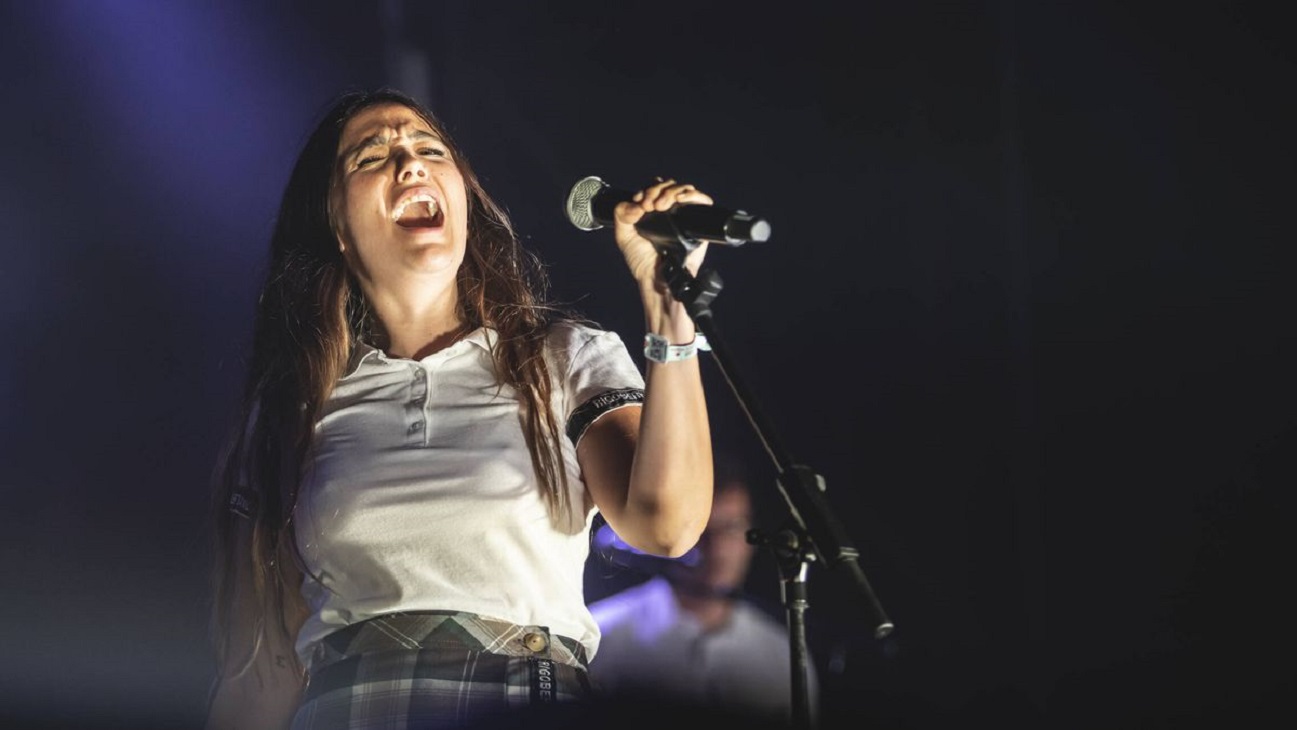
<point x="710" y="606"/>
<point x="416" y="324"/>
<point x="710" y="610"/>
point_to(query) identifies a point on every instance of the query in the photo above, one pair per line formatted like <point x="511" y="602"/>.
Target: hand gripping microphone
<point x="591" y="202"/>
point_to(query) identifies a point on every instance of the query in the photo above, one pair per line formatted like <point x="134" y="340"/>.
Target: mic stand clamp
<point x="696" y="293"/>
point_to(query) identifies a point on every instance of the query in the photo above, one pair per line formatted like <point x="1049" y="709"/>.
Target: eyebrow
<point x="381" y="138"/>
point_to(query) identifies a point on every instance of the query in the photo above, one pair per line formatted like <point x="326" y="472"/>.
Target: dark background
<point x="1025" y="308"/>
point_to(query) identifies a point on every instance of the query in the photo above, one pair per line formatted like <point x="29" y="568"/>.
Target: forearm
<point x="260" y="681"/>
<point x="660" y="501"/>
<point x="265" y="697"/>
<point x="671" y="478"/>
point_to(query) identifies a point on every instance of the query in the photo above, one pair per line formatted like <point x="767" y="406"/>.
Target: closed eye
<point x="433" y="152"/>
<point x="367" y="161"/>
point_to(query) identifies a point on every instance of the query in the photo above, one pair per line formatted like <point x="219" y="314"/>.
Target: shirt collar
<point x="483" y="337"/>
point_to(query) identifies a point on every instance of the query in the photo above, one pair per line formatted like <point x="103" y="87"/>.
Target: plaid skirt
<point x="441" y="669"/>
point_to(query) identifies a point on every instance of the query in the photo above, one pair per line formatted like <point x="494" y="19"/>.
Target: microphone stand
<point x="812" y="532"/>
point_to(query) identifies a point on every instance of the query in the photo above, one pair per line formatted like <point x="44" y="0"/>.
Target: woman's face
<point x="398" y="201"/>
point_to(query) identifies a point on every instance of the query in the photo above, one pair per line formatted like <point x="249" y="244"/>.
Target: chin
<point x="437" y="256"/>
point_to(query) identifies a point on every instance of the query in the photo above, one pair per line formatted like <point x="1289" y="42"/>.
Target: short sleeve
<point x="598" y="375"/>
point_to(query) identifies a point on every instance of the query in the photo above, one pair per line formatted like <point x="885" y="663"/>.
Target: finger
<point x="673" y="194"/>
<point x="664" y="194"/>
<point x="692" y="195"/>
<point x="666" y="198"/>
<point x="643" y="201"/>
<point x="648" y="197"/>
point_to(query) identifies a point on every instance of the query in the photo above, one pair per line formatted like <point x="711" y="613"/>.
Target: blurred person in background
<point x="690" y="635"/>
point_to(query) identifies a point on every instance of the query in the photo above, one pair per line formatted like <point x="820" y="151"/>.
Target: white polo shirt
<point x="421" y="493"/>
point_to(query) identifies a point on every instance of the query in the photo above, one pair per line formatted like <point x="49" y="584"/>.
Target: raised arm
<point x="649" y="469"/>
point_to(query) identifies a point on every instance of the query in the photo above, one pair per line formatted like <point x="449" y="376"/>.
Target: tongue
<point x="419" y="221"/>
<point x="418" y="215"/>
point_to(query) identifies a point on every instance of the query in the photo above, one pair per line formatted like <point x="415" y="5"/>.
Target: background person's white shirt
<point x="651" y="648"/>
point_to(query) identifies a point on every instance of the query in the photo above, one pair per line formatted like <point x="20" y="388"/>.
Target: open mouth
<point x="418" y="211"/>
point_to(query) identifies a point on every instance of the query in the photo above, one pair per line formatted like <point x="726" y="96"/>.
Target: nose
<point x="410" y="166"/>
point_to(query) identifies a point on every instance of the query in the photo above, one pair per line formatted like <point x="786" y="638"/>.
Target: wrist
<point x="665" y="316"/>
<point x="660" y="350"/>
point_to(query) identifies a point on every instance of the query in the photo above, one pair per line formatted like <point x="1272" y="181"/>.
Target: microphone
<point x="590" y="206"/>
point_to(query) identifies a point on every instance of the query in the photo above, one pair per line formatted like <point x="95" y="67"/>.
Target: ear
<point x="333" y="226"/>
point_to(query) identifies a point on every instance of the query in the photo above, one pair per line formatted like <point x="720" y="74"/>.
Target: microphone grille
<point x="580" y="203"/>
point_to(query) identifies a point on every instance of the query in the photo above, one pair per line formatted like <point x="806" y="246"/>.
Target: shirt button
<point x="535" y="642"/>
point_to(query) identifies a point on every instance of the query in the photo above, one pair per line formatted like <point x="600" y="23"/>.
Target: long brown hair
<point x="309" y="317"/>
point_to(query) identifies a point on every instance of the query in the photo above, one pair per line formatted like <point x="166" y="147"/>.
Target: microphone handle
<point x="688" y="224"/>
<point x="693" y="222"/>
<point x="718" y="225"/>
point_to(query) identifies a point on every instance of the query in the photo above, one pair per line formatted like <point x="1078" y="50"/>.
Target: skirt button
<point x="535" y="642"/>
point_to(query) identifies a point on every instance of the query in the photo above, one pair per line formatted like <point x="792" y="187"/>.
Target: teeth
<point x="420" y="198"/>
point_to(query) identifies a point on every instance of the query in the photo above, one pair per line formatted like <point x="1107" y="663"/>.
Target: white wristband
<point x="658" y="349"/>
